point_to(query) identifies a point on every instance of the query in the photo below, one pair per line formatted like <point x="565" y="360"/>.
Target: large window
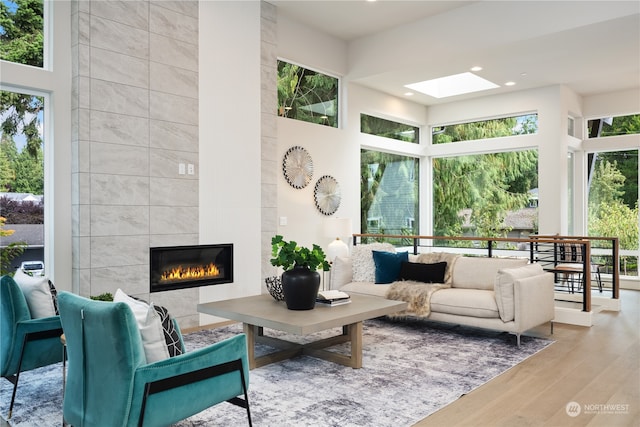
<point x="494" y="128"/>
<point x="389" y="129"/>
<point x="22" y="176"/>
<point x="22" y="41"/>
<point x="613" y="204"/>
<point x="491" y="195"/>
<point x="389" y="189"/>
<point x="307" y="95"/>
<point x="22" y="31"/>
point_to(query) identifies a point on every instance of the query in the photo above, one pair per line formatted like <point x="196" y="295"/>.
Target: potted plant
<point x="300" y="280"/>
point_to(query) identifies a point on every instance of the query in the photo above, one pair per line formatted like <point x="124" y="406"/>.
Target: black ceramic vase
<point x="300" y="288"/>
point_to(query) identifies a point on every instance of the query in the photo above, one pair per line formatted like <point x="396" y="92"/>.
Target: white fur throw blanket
<point x="416" y="294"/>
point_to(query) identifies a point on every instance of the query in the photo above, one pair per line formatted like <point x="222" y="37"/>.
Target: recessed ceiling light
<point x="408" y="94"/>
<point x="476" y="68"/>
<point x="510" y="84"/>
<point x="456" y="84"/>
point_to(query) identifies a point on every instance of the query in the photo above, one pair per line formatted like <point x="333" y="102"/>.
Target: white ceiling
<point x="589" y="46"/>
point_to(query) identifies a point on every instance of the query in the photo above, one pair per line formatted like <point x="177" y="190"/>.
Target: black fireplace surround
<point x="180" y="267"/>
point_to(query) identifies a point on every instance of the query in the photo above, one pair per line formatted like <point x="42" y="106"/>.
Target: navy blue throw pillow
<point x="388" y="265"/>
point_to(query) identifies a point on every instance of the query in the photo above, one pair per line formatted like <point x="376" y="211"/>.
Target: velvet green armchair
<point x="25" y="343"/>
<point x="109" y="382"/>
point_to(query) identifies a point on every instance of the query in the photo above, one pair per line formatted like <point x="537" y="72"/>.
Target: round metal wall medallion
<point x="297" y="167"/>
<point x="327" y="195"/>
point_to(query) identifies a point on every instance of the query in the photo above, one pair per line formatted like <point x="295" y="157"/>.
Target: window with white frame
<point x="307" y="95"/>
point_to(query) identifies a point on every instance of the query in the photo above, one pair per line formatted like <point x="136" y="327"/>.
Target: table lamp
<point x="336" y="228"/>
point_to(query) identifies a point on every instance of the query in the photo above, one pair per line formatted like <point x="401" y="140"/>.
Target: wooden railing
<point x="538" y="248"/>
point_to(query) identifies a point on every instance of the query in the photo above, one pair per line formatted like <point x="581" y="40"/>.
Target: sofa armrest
<point x="534" y="301"/>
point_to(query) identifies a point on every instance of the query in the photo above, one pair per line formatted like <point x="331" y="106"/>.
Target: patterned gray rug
<point x="411" y="369"/>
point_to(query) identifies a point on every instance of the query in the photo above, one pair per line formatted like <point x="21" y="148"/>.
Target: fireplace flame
<point x="189" y="273"/>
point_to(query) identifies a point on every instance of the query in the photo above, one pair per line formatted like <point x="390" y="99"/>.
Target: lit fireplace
<point x="180" y="267"/>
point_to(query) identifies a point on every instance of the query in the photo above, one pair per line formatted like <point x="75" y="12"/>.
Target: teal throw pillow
<point x="388" y="265"/>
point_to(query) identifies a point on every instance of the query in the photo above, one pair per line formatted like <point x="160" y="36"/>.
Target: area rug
<point x="410" y="370"/>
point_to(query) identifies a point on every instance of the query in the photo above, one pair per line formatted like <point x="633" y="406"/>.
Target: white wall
<point x="230" y="140"/>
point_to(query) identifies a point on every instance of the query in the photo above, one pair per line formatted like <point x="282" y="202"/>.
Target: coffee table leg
<point x="250" y="332"/>
<point x="355" y="335"/>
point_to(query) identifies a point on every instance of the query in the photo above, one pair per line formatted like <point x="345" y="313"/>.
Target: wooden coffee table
<point x="262" y="311"/>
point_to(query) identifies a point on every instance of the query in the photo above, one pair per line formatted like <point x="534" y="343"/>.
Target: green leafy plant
<point x="9" y="252"/>
<point x="288" y="255"/>
<point x="102" y="297"/>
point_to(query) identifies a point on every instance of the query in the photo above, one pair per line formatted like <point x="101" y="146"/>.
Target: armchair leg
<point x="27" y="338"/>
<point x="13" y="379"/>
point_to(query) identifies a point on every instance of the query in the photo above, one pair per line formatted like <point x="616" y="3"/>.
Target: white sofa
<point x="506" y="294"/>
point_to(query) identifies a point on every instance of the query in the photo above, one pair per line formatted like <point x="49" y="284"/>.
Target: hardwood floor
<point x="593" y="367"/>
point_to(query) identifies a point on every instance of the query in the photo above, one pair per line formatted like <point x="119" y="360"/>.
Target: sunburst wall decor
<point x="297" y="167"/>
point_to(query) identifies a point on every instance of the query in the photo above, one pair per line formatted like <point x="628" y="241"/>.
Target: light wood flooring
<point x="593" y="366"/>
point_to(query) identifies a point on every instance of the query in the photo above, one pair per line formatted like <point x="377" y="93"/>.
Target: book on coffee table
<point x="333" y="298"/>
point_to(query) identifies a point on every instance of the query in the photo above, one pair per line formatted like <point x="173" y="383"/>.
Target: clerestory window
<point x="307" y="95"/>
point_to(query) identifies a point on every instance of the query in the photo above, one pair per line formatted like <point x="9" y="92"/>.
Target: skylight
<point x="456" y="84"/>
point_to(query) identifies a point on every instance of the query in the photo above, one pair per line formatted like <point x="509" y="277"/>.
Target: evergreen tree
<point x="21" y="41"/>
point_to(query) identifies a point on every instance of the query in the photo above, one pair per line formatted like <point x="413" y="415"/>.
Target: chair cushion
<point x="150" y="325"/>
<point x="39" y="293"/>
<point x="465" y="302"/>
<point x="480" y="272"/>
<point x="388" y="265"/>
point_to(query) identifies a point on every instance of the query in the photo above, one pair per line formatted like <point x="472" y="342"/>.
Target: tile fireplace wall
<point x="135" y="119"/>
<point x="135" y="107"/>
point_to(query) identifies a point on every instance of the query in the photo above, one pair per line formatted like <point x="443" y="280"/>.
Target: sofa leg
<point x="518" y="339"/>
<point x="552" y="327"/>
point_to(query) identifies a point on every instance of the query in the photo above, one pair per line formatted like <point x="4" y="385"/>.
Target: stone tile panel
<point x="119" y="190"/>
<point x="165" y="163"/>
<point x="173" y="220"/>
<point x="108" y="220"/>
<point x="121" y="38"/>
<point x="167" y="50"/>
<point x="132" y="13"/>
<point x="173" y="192"/>
<point x="173" y="108"/>
<point x="172" y="24"/>
<point x="119" y="128"/>
<point x="118" y="68"/>
<point x="132" y="279"/>
<point x="118" y="98"/>
<point x="173" y="136"/>
<point x="119" y="159"/>
<point x="117" y="251"/>
<point x="174" y="80"/>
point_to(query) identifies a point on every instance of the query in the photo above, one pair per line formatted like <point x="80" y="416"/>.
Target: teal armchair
<point x="109" y="382"/>
<point x="25" y="343"/>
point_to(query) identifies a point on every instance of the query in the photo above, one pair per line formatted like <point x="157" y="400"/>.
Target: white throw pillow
<point x="341" y="272"/>
<point x="37" y="292"/>
<point x="505" y="298"/>
<point x="150" y="325"/>
<point x="364" y="269"/>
